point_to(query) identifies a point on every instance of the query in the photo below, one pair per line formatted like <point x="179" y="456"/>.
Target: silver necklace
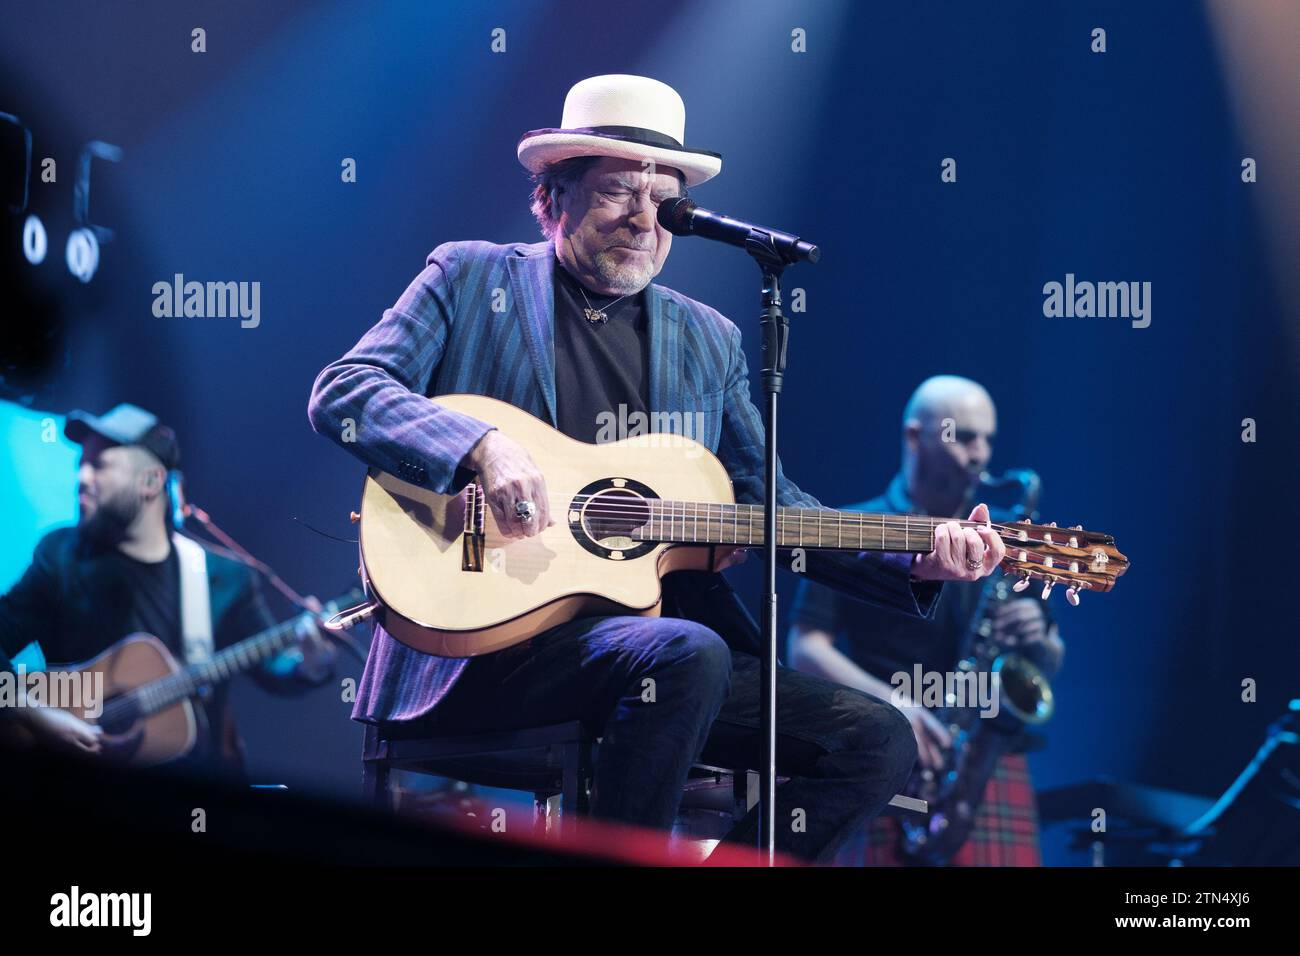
<point x="594" y="315"/>
<point x="598" y="315"/>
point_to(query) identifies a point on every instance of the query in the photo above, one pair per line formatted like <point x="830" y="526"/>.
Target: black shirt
<point x="155" y="595"/>
<point x="599" y="366"/>
<point x="883" y="643"/>
<point x="879" y="641"/>
<point x="76" y="599"/>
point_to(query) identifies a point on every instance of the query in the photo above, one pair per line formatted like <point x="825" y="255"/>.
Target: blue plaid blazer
<point x="480" y="319"/>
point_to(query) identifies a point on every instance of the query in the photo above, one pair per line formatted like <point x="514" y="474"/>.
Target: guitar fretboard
<point x="692" y="522"/>
<point x="222" y="666"/>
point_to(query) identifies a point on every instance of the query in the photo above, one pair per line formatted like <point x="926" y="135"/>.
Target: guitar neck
<point x="692" y="522"/>
<point x="222" y="666"/>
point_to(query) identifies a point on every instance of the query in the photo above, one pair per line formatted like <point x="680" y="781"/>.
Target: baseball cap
<point x="127" y="425"/>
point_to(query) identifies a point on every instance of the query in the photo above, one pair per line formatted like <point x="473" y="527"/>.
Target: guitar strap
<point x="196" y="607"/>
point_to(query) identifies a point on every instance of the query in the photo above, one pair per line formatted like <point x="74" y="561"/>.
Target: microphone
<point x="1026" y="480"/>
<point x="682" y="217"/>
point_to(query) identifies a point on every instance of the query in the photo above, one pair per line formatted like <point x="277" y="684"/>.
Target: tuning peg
<point x="1047" y="589"/>
<point x="1022" y="584"/>
<point x="354" y="517"/>
<point x="1072" y="595"/>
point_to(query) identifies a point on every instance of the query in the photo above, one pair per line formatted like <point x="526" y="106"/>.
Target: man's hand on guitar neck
<point x="315" y="654"/>
<point x="508" y="475"/>
<point x="958" y="548"/>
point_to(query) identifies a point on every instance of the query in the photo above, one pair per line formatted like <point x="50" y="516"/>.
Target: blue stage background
<point x="1116" y="166"/>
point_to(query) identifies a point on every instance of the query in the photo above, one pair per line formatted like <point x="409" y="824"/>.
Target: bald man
<point x="948" y="431"/>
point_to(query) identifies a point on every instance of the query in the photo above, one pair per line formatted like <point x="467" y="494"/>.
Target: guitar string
<point x="791" y="512"/>
<point x="896" y="523"/>
<point x="1012" y="540"/>
<point x="665" y="510"/>
<point x="1015" y="543"/>
<point x="669" y="502"/>
<point x="788" y="514"/>
<point x="194" y="676"/>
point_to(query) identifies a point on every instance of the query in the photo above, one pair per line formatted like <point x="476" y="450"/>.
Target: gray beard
<point x="622" y="278"/>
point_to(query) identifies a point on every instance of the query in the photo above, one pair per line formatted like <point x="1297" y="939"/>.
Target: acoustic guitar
<point x="445" y="580"/>
<point x="148" y="715"/>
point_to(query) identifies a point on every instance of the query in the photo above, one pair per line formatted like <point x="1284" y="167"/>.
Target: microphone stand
<point x="773" y="251"/>
<point x="775" y="332"/>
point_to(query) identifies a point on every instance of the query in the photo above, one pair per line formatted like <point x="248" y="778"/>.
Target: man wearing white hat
<point x="573" y="330"/>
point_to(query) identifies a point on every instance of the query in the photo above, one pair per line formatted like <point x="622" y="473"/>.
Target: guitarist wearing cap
<point x="121" y="570"/>
<point x="573" y="331"/>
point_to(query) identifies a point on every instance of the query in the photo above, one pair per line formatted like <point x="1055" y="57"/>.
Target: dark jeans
<point x="664" y="693"/>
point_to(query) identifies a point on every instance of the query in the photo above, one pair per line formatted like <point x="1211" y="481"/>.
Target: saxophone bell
<point x="1024" y="689"/>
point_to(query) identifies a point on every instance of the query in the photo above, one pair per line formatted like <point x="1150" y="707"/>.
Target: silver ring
<point x="974" y="564"/>
<point x="525" y="510"/>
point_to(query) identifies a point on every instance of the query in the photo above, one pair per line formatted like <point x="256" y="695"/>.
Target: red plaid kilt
<point x="1005" y="833"/>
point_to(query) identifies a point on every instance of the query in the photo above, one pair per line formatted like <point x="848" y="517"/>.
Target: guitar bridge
<point x="474" y="536"/>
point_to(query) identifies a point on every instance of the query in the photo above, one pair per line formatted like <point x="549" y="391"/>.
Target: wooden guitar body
<point x="133" y="739"/>
<point x="413" y="540"/>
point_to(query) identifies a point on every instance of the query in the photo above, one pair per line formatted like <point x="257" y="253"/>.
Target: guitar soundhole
<point x="120" y="715"/>
<point x="611" y="517"/>
<point x="608" y="518"/>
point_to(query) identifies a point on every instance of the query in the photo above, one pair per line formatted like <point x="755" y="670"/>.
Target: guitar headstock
<point x="1077" y="559"/>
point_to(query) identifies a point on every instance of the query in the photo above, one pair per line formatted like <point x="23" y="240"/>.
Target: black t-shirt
<point x="154" y="591"/>
<point x="599" y="366"/>
<point x="77" y="599"/>
<point x="882" y="642"/>
<point x="155" y="595"/>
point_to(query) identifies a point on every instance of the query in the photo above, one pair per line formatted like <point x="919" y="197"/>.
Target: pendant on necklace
<point x="595" y="315"/>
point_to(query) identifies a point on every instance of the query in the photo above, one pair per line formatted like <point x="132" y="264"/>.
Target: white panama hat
<point x="629" y="117"/>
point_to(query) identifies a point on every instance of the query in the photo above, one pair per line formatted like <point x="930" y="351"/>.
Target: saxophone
<point x="954" y="791"/>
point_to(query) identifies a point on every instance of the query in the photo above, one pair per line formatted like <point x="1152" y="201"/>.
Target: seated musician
<point x="572" y="330"/>
<point x="121" y="570"/>
<point x="858" y="646"/>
